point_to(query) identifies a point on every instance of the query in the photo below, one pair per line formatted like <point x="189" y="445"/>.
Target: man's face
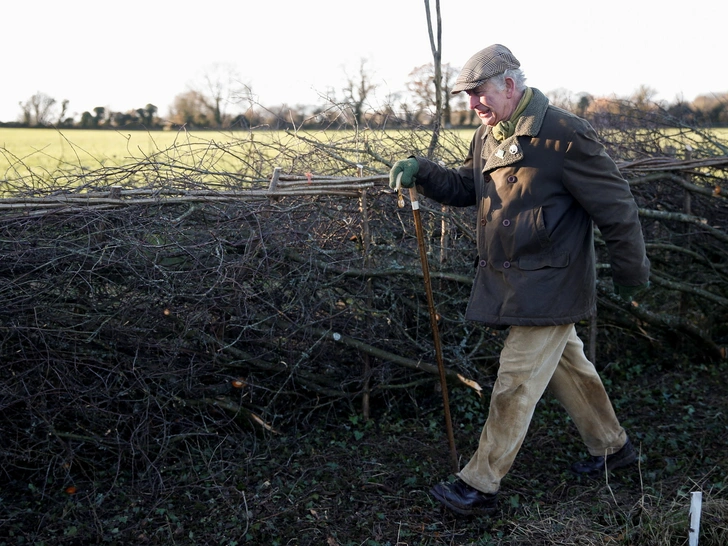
<point x="491" y="103"/>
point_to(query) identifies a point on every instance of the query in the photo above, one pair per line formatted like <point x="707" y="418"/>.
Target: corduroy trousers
<point x="534" y="358"/>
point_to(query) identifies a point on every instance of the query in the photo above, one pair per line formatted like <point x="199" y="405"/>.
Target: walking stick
<point x="433" y="314"/>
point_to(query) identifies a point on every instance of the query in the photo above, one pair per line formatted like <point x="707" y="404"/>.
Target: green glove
<point x="408" y="168"/>
<point x="627" y="293"/>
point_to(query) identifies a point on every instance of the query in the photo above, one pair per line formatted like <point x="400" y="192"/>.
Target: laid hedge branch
<point x="397" y="359"/>
<point x="686" y="288"/>
<point x="235" y="408"/>
<point x="716" y="232"/>
<point x="666" y="164"/>
<point x="384" y="273"/>
<point x="345" y="187"/>
<point x="664" y="321"/>
<point x="314" y="382"/>
<point x="715" y="191"/>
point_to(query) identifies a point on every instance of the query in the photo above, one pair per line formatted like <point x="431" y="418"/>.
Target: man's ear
<point x="510" y="87"/>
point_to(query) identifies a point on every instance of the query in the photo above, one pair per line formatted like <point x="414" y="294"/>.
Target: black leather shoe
<point x="595" y="465"/>
<point x="463" y="499"/>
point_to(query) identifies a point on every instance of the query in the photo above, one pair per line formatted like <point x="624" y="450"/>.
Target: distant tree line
<point x="219" y="102"/>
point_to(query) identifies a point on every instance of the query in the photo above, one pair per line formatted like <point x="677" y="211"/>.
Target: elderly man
<point x="539" y="178"/>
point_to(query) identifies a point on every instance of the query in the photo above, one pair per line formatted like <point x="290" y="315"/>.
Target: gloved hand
<point x="627" y="293"/>
<point x="408" y="168"/>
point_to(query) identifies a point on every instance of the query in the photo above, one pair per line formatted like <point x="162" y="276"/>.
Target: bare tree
<point x="643" y="97"/>
<point x="421" y="85"/>
<point x="712" y="108"/>
<point x="357" y="91"/>
<point x="577" y="103"/>
<point x="211" y="100"/>
<point x="220" y="88"/>
<point x="62" y="115"/>
<point x="38" y="110"/>
<point x="190" y="109"/>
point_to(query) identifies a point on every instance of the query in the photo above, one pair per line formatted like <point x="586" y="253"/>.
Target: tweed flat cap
<point x="485" y="64"/>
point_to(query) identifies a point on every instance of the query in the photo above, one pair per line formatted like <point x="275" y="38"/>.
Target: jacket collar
<point x="499" y="154"/>
<point x="529" y="124"/>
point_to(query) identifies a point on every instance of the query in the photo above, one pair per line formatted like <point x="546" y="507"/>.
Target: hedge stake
<point x="696" y="506"/>
<point x="414" y="198"/>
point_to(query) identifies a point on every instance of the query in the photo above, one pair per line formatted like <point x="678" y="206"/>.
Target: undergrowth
<point x="338" y="479"/>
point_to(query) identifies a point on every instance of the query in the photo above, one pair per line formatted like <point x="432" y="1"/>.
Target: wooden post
<point x="365" y="235"/>
<point x="274" y="182"/>
<point x="365" y="243"/>
<point x="444" y="235"/>
<point x="445" y="227"/>
<point x="684" y="302"/>
<point x="274" y="179"/>
<point x="687" y="197"/>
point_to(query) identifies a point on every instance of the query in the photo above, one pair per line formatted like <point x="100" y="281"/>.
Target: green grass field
<point x="50" y="150"/>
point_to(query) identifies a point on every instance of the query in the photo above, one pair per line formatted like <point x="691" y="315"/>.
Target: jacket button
<point x="506" y="222"/>
<point x="483" y="221"/>
<point x="482" y="263"/>
<point x="512" y="179"/>
<point x="506" y="265"/>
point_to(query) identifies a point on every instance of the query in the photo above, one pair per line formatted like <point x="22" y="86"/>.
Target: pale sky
<point x="125" y="54"/>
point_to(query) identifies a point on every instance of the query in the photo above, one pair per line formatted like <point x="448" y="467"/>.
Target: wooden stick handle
<point x="414" y="197"/>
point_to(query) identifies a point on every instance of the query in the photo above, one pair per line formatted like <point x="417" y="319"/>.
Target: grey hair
<point x="516" y="74"/>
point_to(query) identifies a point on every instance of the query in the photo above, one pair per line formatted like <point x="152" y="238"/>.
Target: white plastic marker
<point x="696" y="507"/>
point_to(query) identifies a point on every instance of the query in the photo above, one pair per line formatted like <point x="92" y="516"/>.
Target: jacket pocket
<point x="524" y="235"/>
<point x="532" y="263"/>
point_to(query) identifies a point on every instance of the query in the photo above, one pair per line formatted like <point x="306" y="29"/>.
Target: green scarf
<point x="504" y="129"/>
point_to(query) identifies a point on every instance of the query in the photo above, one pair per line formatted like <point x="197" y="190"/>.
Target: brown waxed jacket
<point x="537" y="194"/>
